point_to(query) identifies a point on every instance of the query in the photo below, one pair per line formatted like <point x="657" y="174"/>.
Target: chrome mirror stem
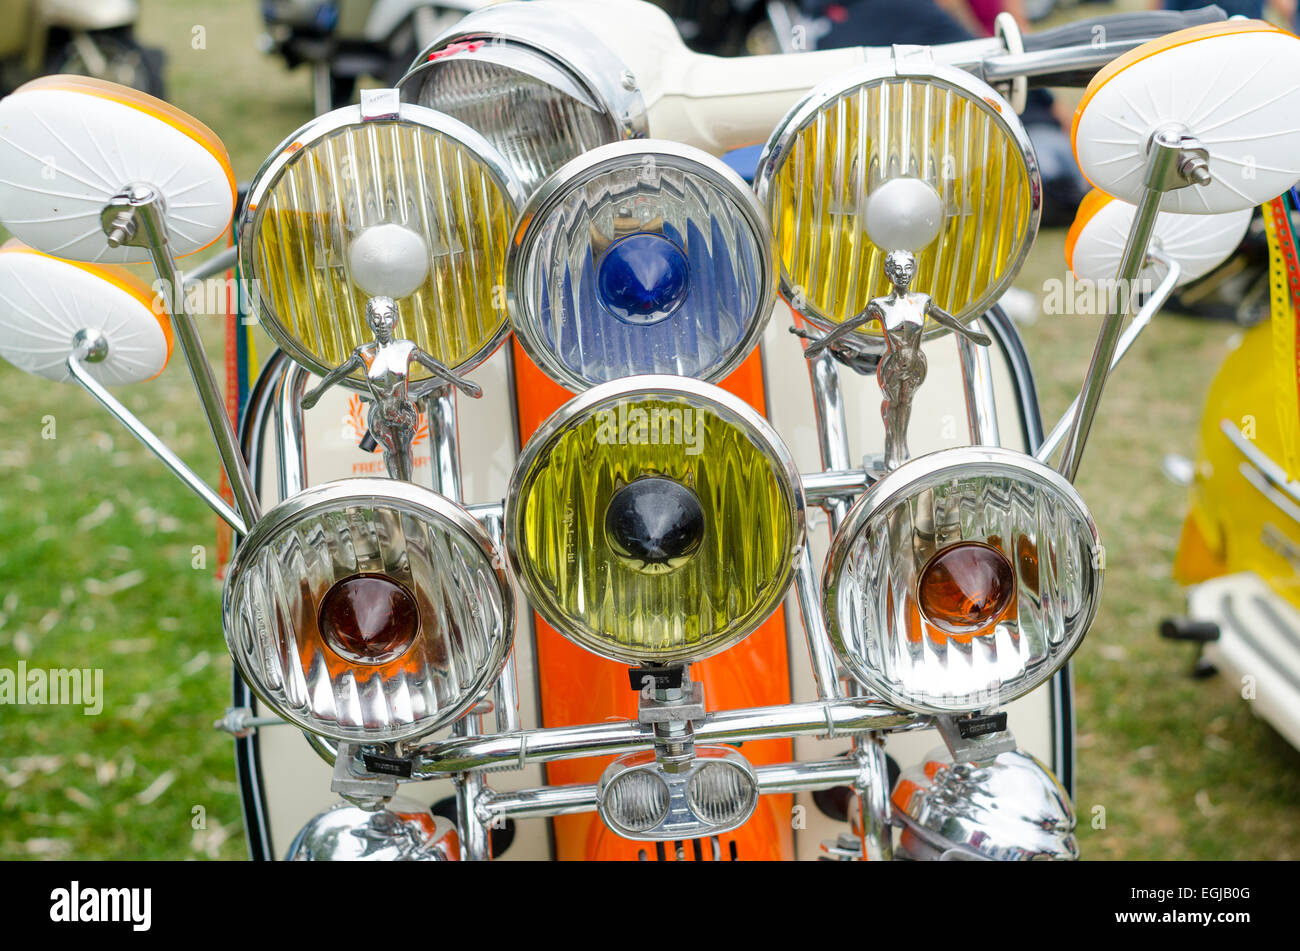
<point x="872" y="786"/>
<point x="977" y="382"/>
<point x="1139" y="323"/>
<point x="155" y="445"/>
<point x="1174" y="160"/>
<point x="135" y="218"/>
<point x="832" y="428"/>
<point x="289" y="420"/>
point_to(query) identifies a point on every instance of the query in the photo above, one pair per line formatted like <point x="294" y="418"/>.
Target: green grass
<point x="1182" y="768"/>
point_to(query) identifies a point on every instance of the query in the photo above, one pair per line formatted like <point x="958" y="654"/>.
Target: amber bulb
<point x="369" y="618"/>
<point x="966" y="587"/>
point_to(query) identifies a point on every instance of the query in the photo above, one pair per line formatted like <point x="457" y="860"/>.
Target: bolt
<point x="629" y="81"/>
<point x="1195" y="170"/>
<point x="121" y="228"/>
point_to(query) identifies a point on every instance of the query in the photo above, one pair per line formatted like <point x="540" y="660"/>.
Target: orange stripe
<point x="1092" y="203"/>
<point x="579" y="687"/>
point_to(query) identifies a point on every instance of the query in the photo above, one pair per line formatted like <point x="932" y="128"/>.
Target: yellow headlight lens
<point x="664" y="575"/>
<point x="417" y="207"/>
<point x="845" y="140"/>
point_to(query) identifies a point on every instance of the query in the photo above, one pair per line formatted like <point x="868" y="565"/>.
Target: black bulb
<point x="654" y="524"/>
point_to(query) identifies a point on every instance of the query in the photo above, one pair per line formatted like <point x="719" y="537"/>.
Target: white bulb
<point x="904" y="214"/>
<point x="388" y="261"/>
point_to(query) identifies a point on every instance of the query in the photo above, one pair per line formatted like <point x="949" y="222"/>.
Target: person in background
<point x="1245" y="8"/>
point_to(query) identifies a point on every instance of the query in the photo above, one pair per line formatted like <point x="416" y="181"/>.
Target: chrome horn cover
<point x="1009" y="809"/>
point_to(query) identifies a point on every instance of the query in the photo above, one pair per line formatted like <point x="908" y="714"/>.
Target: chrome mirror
<point x="147" y="182"/>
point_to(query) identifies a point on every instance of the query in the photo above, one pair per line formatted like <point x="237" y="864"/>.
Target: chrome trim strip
<point x="1273" y="473"/>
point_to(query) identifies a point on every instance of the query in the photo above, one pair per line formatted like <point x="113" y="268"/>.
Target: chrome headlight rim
<point x="646" y="386"/>
<point x="778" y="147"/>
<point x="562" y="40"/>
<point x="313" y="132"/>
<point x="362" y="492"/>
<point x="902" y="483"/>
<point x="577" y="173"/>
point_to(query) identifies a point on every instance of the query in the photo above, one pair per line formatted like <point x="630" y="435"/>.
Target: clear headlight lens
<point x="534" y="82"/>
<point x="368" y="610"/>
<point x="655" y="519"/>
<point x="417" y="208"/>
<point x="636" y="801"/>
<point x="962" y="580"/>
<point x="640" y="257"/>
<point x="533" y="110"/>
<point x="848" y="140"/>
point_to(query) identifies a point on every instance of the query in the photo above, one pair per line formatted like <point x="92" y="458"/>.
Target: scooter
<point x="87" y="38"/>
<point x="635" y="578"/>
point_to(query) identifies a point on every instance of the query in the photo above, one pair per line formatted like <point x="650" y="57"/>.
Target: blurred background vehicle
<point x="342" y="41"/>
<point x="86" y="37"/>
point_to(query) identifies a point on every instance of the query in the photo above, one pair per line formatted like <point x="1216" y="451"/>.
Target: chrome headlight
<point x="1010" y="808"/>
<point x="845" y="167"/>
<point x="368" y="610"/>
<point x="962" y="580"/>
<point x="534" y="81"/>
<point x="640" y="257"/>
<point x="655" y="520"/>
<point x="414" y="205"/>
<point x="716" y="793"/>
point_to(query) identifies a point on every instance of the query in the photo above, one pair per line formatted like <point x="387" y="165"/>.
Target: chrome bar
<point x="872" y="786"/>
<point x="819" y="486"/>
<point x="832" y="428"/>
<point x="444" y="452"/>
<point x="540" y="803"/>
<point x="471" y="790"/>
<point x="1089" y="58"/>
<point x="487" y="510"/>
<point x="291" y="443"/>
<point x="820" y="653"/>
<point x="505" y="693"/>
<point x="1139" y="323"/>
<point x="155" y="445"/>
<point x="807" y="777"/>
<point x="223" y="260"/>
<point x="223" y="433"/>
<point x="977" y="382"/>
<point x="514" y="750"/>
<point x="1162" y="165"/>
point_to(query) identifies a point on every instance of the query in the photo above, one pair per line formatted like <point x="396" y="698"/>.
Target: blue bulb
<point x="643" y="278"/>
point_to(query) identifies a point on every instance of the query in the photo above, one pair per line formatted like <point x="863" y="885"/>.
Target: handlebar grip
<point x="1118" y="27"/>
